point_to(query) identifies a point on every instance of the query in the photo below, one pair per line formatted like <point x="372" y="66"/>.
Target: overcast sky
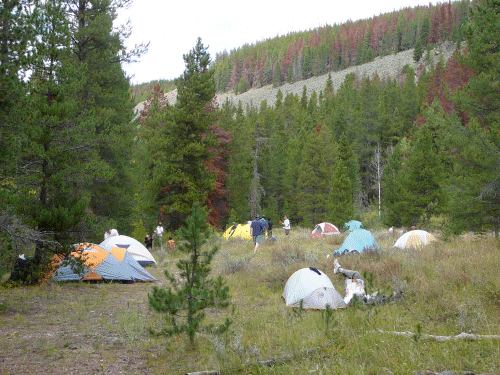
<point x="173" y="26"/>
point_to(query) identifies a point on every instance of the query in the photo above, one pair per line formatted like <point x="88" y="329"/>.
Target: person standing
<point x="269" y="228"/>
<point x="264" y="225"/>
<point x="286" y="226"/>
<point x="159" y="234"/>
<point x="256" y="232"/>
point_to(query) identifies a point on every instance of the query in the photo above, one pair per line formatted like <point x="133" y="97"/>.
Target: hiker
<point x="256" y="232"/>
<point x="286" y="226"/>
<point x="110" y="233"/>
<point x="159" y="234"/>
<point x="171" y="243"/>
<point x="148" y="242"/>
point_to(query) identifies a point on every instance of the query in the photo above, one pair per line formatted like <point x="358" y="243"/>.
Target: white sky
<point x="173" y="26"/>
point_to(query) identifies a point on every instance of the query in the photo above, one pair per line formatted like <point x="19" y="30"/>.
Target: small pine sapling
<point x="193" y="291"/>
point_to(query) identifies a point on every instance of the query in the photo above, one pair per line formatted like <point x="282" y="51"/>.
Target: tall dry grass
<point x="448" y="288"/>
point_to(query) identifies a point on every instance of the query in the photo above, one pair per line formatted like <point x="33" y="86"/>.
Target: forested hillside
<point x="372" y="146"/>
<point x="415" y="147"/>
<point x="301" y="55"/>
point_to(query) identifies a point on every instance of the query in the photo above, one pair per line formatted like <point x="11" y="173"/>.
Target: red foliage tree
<point x="216" y="201"/>
<point x="235" y="75"/>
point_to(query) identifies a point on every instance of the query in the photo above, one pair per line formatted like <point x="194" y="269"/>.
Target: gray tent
<point x="92" y="262"/>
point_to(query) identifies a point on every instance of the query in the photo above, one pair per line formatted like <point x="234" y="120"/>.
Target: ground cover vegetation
<point x="448" y="288"/>
<point x="416" y="148"/>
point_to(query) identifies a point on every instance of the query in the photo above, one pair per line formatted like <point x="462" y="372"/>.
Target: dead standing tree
<point x="377" y="166"/>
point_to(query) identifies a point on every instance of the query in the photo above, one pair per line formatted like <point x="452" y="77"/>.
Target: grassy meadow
<point x="449" y="287"/>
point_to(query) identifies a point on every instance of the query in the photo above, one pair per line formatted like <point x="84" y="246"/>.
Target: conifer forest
<point x="419" y="147"/>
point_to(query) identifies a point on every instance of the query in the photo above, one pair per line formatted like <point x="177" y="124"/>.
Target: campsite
<point x="449" y="287"/>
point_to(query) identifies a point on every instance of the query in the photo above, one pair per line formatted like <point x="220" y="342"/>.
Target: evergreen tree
<point x="340" y="204"/>
<point x="185" y="303"/>
<point x="240" y="164"/>
<point x="312" y="182"/>
<point x="422" y="191"/>
<point x="182" y="177"/>
<point x="57" y="157"/>
<point x="98" y="51"/>
<point x="16" y="36"/>
<point x="418" y="51"/>
<point x="475" y="186"/>
<point x="393" y="204"/>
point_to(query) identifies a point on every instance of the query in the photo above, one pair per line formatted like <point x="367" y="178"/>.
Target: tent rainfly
<point x="357" y="241"/>
<point x="353" y="225"/>
<point x="313" y="288"/>
<point x="134" y="247"/>
<point x="414" y="239"/>
<point x="241" y="231"/>
<point x="324" y="229"/>
<point x="89" y="262"/>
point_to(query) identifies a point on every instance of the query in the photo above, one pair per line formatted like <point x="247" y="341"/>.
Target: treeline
<point x="420" y="149"/>
<point x="302" y="55"/>
<point x="65" y="131"/>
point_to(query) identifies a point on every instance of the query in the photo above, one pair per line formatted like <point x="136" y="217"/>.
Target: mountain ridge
<point x="387" y="66"/>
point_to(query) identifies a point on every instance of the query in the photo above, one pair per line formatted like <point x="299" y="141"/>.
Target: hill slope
<point x="387" y="66"/>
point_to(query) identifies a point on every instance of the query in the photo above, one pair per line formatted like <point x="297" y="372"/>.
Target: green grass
<point x="449" y="288"/>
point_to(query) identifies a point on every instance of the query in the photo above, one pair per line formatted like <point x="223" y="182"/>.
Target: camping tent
<point x="358" y="241"/>
<point x="324" y="229"/>
<point x="414" y="239"/>
<point x="313" y="288"/>
<point x="134" y="247"/>
<point x="241" y="231"/>
<point x="92" y="262"/>
<point x="353" y="225"/>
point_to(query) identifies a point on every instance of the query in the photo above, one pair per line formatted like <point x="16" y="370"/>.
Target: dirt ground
<point x="75" y="329"/>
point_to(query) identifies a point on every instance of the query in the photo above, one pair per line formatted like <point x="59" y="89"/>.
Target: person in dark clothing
<point x="269" y="228"/>
<point x="256" y="230"/>
<point x="149" y="242"/>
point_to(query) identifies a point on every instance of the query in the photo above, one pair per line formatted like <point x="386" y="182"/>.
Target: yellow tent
<point x="241" y="231"/>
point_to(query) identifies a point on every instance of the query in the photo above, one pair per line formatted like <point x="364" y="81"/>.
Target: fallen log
<point x="461" y="336"/>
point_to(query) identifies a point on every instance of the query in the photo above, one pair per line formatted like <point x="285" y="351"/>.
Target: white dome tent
<point x="134" y="247"/>
<point x="313" y="288"/>
<point x="414" y="239"/>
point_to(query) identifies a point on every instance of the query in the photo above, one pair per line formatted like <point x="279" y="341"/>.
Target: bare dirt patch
<point x="76" y="329"/>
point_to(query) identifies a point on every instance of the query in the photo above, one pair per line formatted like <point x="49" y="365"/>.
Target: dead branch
<point x="461" y="336"/>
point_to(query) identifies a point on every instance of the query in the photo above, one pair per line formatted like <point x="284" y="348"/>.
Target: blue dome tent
<point x="358" y="241"/>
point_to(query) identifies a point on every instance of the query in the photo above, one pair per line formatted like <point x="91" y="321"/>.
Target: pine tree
<point x="393" y="204"/>
<point x="16" y="36"/>
<point x="312" y="182"/>
<point x="98" y="51"/>
<point x="180" y="176"/>
<point x="193" y="291"/>
<point x="418" y="51"/>
<point x="475" y="187"/>
<point x="340" y="204"/>
<point x="55" y="138"/>
<point x="423" y="195"/>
